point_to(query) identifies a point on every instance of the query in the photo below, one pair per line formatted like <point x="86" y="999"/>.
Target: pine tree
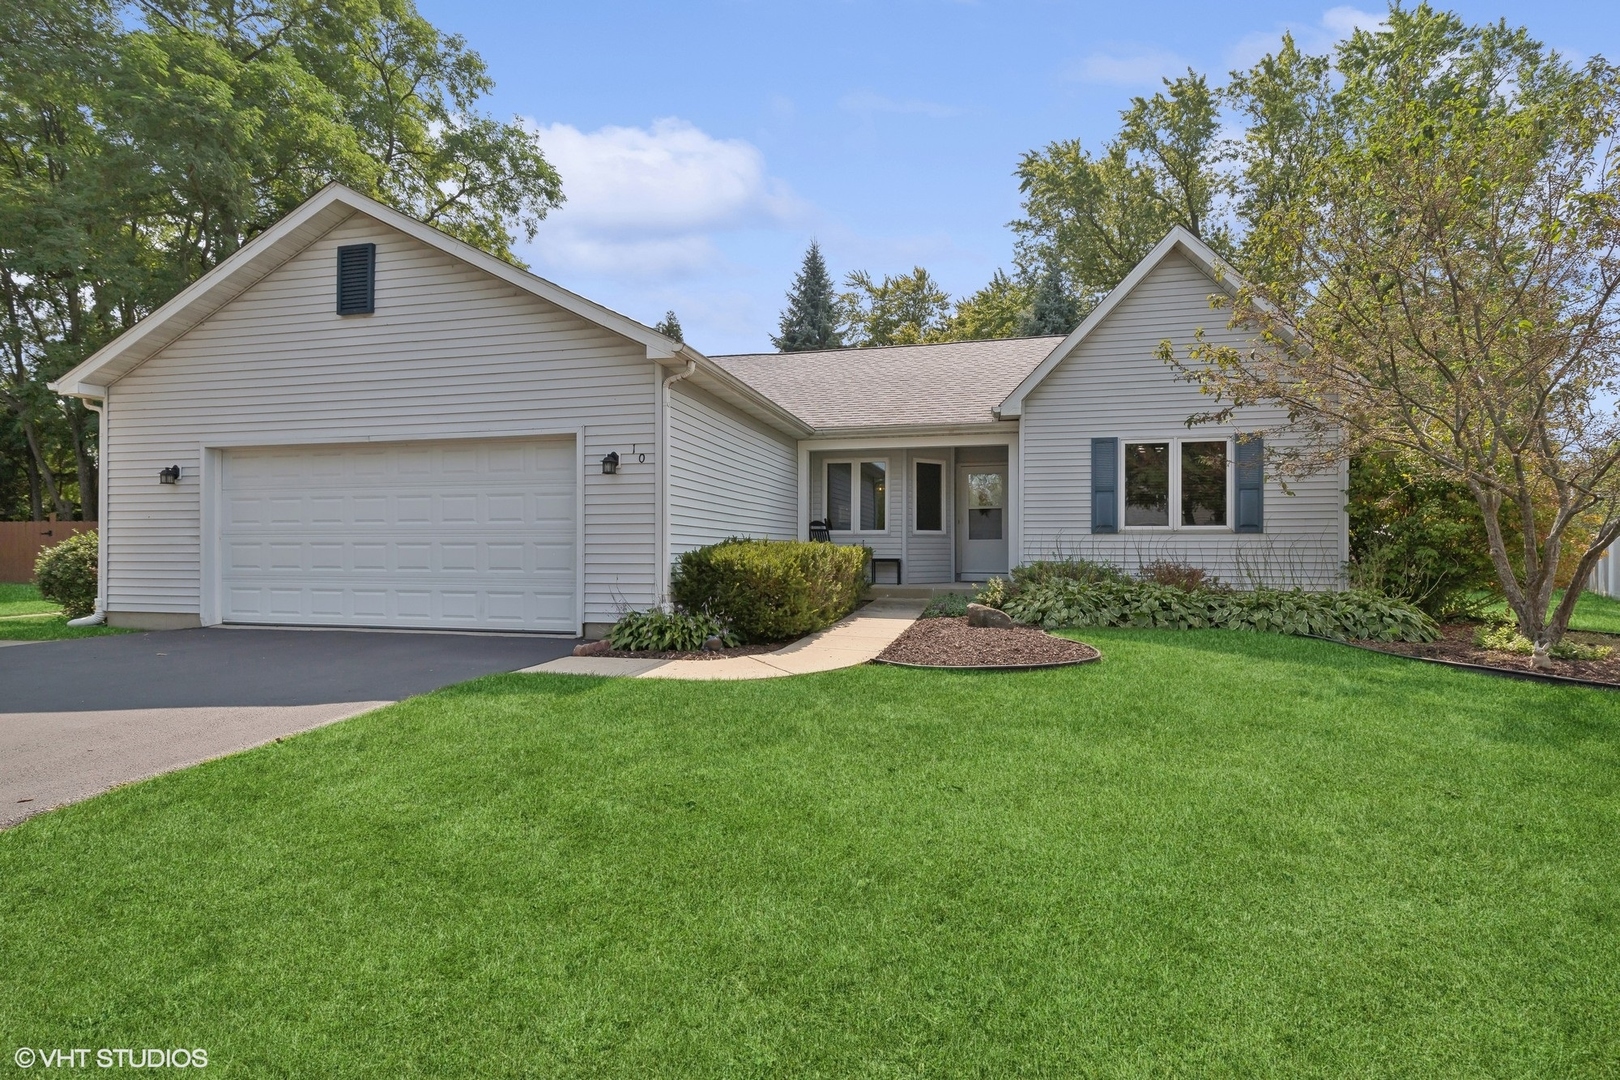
<point x="670" y="327"/>
<point x="1053" y="311"/>
<point x="811" y="318"/>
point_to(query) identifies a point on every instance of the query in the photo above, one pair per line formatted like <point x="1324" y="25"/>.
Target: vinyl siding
<point x="729" y="475"/>
<point x="1113" y="385"/>
<point x="928" y="557"/>
<point x="450" y="353"/>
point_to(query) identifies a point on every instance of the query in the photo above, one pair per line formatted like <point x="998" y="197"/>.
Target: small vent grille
<point x="356" y="279"/>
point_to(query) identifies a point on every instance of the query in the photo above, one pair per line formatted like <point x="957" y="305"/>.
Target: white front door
<point x="466" y="534"/>
<point x="981" y="521"/>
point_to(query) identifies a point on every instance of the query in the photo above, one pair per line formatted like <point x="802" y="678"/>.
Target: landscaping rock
<point x="713" y="644"/>
<point x="982" y="615"/>
<point x="594" y="648"/>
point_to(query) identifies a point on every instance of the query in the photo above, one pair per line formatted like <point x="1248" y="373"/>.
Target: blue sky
<point x="702" y="145"/>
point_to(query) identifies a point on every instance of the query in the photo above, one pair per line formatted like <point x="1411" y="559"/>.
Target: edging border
<point x="994" y="667"/>
<point x="1484" y="669"/>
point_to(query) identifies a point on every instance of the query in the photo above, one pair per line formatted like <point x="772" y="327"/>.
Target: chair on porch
<point x="820" y="532"/>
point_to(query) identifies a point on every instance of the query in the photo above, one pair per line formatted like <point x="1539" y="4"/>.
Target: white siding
<point x="450" y="353"/>
<point x="729" y="475"/>
<point x="1113" y="385"/>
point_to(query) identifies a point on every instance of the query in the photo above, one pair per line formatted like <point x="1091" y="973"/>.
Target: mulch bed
<point x="952" y="643"/>
<point x="1456" y="644"/>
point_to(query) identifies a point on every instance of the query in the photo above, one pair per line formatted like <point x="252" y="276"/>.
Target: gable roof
<point x="898" y="387"/>
<point x="318" y="215"/>
<point x="1177" y="240"/>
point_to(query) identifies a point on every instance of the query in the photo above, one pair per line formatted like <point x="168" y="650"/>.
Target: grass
<point x="27" y="616"/>
<point x="1212" y="854"/>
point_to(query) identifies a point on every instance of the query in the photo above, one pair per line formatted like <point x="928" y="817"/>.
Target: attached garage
<point x="458" y="534"/>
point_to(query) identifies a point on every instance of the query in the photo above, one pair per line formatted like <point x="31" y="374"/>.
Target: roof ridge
<point x="879" y="348"/>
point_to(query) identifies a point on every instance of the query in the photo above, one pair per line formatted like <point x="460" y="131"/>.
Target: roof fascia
<point x="1199" y="253"/>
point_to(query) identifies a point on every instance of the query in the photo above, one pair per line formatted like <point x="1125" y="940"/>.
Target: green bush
<point x="771" y="590"/>
<point x="1042" y="571"/>
<point x="66" y="574"/>
<point x="947" y="606"/>
<point x="667" y="631"/>
<point x="1505" y="637"/>
<point x="1342" y="615"/>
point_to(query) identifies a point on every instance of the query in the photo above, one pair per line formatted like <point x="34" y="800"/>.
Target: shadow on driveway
<point x="219" y="667"/>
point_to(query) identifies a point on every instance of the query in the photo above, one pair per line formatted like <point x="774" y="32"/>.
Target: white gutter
<point x="664" y="545"/>
<point x="99" y="616"/>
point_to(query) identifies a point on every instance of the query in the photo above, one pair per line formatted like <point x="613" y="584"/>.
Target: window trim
<point x="944" y="504"/>
<point x="855" y="464"/>
<point x="1175" y="442"/>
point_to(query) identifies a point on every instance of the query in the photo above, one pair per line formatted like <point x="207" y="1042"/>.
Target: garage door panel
<point x="431" y="534"/>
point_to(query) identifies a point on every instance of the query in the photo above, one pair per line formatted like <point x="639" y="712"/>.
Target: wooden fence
<point x="22" y="541"/>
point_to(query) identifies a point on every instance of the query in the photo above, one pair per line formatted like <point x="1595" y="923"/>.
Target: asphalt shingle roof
<point x="956" y="382"/>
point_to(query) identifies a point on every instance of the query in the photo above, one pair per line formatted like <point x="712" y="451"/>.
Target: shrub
<point x="771" y="590"/>
<point x="1072" y="568"/>
<point x="660" y="631"/>
<point x="1340" y="615"/>
<point x="1179" y="576"/>
<point x="995" y="592"/>
<point x="1505" y="637"/>
<point x="66" y="574"/>
<point x="948" y="606"/>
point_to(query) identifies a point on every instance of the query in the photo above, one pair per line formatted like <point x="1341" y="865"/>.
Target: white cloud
<point x="1127" y="66"/>
<point x="647" y="202"/>
<point x="866" y="103"/>
<point x="1336" y="24"/>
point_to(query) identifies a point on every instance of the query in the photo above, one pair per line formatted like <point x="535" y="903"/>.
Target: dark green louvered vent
<point x="357" y="279"/>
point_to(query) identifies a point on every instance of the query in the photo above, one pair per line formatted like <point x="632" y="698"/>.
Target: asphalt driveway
<point x="79" y="717"/>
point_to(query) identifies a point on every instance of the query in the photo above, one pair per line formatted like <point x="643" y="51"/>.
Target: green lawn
<point x="1595" y="613"/>
<point x="1212" y="854"/>
<point x="27" y="616"/>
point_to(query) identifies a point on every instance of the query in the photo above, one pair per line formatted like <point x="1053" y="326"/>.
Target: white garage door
<point x="463" y="534"/>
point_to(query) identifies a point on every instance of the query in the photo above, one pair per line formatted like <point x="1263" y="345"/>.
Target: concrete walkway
<point x="848" y="642"/>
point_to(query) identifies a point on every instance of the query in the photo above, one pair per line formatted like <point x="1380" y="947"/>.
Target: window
<point x="930" y="497"/>
<point x="857" y="496"/>
<point x="987" y="494"/>
<point x="1193" y="477"/>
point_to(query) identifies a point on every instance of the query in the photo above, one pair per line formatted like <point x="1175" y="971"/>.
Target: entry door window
<point x="987" y="496"/>
<point x="857" y="496"/>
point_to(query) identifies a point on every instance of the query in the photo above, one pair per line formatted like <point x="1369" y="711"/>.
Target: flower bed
<point x="952" y="643"/>
<point x="1456" y="644"/>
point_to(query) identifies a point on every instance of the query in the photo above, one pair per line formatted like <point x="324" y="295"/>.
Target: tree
<point x="1096" y="217"/>
<point x="670" y="327"/>
<point x="810" y="321"/>
<point x="1451" y="290"/>
<point x="137" y="153"/>
<point x="999" y="310"/>
<point x="904" y="310"/>
<point x="1052" y="310"/>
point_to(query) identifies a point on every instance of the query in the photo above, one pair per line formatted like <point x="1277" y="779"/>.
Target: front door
<point x="981" y="521"/>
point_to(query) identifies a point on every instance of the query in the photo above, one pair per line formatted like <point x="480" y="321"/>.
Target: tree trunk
<point x="77" y="415"/>
<point x="48" y="478"/>
<point x="36" y="508"/>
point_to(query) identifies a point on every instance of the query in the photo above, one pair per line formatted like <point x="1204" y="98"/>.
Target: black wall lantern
<point x="610" y="464"/>
<point x="171" y="475"/>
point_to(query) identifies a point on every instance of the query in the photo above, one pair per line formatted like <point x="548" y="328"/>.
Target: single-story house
<point x="356" y="420"/>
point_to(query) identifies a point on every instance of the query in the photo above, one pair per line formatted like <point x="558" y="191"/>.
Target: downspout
<point x="663" y="483"/>
<point x="99" y="616"/>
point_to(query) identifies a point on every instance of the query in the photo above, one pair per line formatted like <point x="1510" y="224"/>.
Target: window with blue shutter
<point x="357" y="279"/>
<point x="1250" y="456"/>
<point x="1104" y="485"/>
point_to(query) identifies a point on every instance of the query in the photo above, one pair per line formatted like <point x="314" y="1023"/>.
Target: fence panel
<point x="22" y="541"/>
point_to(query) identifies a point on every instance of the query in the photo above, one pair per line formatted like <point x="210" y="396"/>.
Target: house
<point x="356" y="420"/>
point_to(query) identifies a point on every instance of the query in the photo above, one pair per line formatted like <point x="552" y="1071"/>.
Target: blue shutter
<point x="357" y="279"/>
<point x="1251" y="486"/>
<point x="1104" y="485"/>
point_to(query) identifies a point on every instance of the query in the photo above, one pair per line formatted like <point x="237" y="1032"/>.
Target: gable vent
<point x="357" y="279"/>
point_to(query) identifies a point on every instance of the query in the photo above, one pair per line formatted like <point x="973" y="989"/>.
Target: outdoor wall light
<point x="610" y="464"/>
<point x="171" y="475"/>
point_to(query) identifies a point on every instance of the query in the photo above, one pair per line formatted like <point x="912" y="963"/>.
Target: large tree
<point x="1441" y="281"/>
<point x="901" y="309"/>
<point x="1095" y="216"/>
<point x="810" y="321"/>
<point x="140" y="146"/>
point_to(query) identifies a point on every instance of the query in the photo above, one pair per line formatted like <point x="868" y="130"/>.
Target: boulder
<point x="986" y="616"/>
<point x="713" y="644"/>
<point x="593" y="648"/>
